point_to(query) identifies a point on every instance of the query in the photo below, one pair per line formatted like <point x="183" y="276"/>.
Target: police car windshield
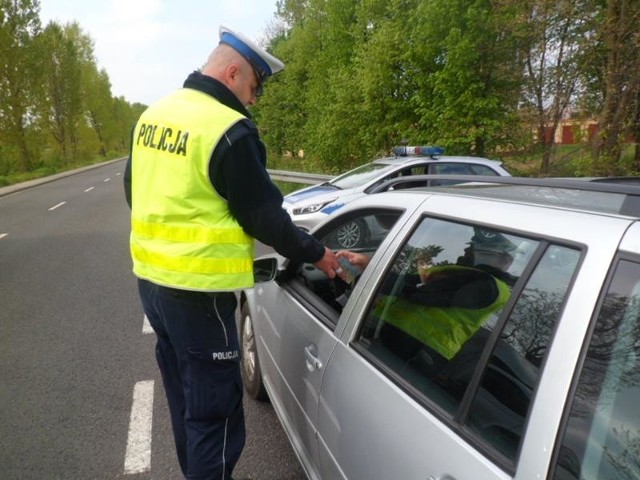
<point x="361" y="175"/>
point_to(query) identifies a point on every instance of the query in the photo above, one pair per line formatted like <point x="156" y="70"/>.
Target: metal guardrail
<point x="299" y="177"/>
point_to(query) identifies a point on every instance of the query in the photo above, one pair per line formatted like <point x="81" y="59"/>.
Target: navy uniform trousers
<point x="198" y="354"/>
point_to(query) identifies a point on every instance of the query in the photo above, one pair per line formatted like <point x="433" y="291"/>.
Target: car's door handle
<point x="313" y="362"/>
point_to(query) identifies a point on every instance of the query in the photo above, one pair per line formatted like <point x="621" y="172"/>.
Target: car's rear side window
<point x="482" y="170"/>
<point x="456" y="323"/>
<point x="602" y="434"/>
<point x="501" y="404"/>
<point x="447" y="168"/>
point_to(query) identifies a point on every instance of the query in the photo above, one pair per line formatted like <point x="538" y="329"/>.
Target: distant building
<point x="570" y="132"/>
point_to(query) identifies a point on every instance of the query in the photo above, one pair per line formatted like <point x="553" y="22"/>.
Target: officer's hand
<point x="328" y="263"/>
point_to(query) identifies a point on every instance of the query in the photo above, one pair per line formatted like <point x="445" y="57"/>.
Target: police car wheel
<point x="251" y="374"/>
<point x="352" y="234"/>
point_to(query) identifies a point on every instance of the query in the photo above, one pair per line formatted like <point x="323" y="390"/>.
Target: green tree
<point x="476" y="76"/>
<point x="98" y="104"/>
<point x="619" y="34"/>
<point x="68" y="51"/>
<point x="328" y="30"/>
<point x="469" y="64"/>
<point x="292" y="12"/>
<point x="56" y="107"/>
<point x="384" y="76"/>
<point x="559" y="33"/>
<point x="281" y="113"/>
<point x="19" y="24"/>
<point x="125" y="116"/>
<point x="634" y="130"/>
<point x="299" y="112"/>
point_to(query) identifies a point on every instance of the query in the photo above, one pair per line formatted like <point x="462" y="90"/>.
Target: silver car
<point x="494" y="334"/>
<point x="311" y="205"/>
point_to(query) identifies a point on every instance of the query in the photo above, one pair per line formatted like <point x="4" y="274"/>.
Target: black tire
<point x="250" y="365"/>
<point x="352" y="234"/>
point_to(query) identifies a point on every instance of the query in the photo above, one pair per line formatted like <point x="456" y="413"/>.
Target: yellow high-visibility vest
<point x="182" y="232"/>
<point x="444" y="329"/>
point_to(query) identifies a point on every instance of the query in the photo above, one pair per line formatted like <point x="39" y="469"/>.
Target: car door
<point x="600" y="437"/>
<point x="437" y="402"/>
<point x="297" y="330"/>
<point x="296" y="335"/>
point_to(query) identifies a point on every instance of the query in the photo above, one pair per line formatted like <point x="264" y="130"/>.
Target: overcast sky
<point x="148" y="47"/>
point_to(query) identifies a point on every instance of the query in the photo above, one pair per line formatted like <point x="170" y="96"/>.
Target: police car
<point x="494" y="334"/>
<point x="310" y="206"/>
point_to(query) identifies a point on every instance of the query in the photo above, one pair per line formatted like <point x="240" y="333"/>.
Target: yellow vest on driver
<point x="182" y="232"/>
<point x="444" y="329"/>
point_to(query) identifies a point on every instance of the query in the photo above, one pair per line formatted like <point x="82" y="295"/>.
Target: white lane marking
<point x="138" y="456"/>
<point x="2" y="235"/>
<point x="56" y="206"/>
<point x="146" y="326"/>
<point x="106" y="180"/>
<point x="117" y="174"/>
<point x="89" y="189"/>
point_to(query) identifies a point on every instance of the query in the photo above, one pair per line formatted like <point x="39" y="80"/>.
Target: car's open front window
<point x="444" y="325"/>
<point x="361" y="232"/>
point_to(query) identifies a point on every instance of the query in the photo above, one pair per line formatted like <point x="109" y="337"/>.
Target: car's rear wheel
<point x="352" y="234"/>
<point x="251" y="374"/>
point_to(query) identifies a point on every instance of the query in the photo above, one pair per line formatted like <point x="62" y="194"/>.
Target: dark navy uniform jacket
<point x="237" y="171"/>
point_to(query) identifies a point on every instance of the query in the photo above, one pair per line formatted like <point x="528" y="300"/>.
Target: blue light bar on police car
<point x="427" y="151"/>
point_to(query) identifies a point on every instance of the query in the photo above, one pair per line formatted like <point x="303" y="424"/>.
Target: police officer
<point x="199" y="191"/>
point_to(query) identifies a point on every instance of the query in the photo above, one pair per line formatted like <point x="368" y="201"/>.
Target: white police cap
<point x="262" y="62"/>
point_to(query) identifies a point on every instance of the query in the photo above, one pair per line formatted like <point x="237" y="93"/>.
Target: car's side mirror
<point x="265" y="269"/>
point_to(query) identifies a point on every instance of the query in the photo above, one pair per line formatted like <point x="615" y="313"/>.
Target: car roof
<point x="617" y="198"/>
<point x="405" y="160"/>
<point x="623" y="180"/>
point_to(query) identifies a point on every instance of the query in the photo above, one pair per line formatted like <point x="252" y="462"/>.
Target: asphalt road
<point x="74" y="347"/>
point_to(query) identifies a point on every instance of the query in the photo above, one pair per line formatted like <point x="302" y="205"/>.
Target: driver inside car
<point x="443" y="305"/>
